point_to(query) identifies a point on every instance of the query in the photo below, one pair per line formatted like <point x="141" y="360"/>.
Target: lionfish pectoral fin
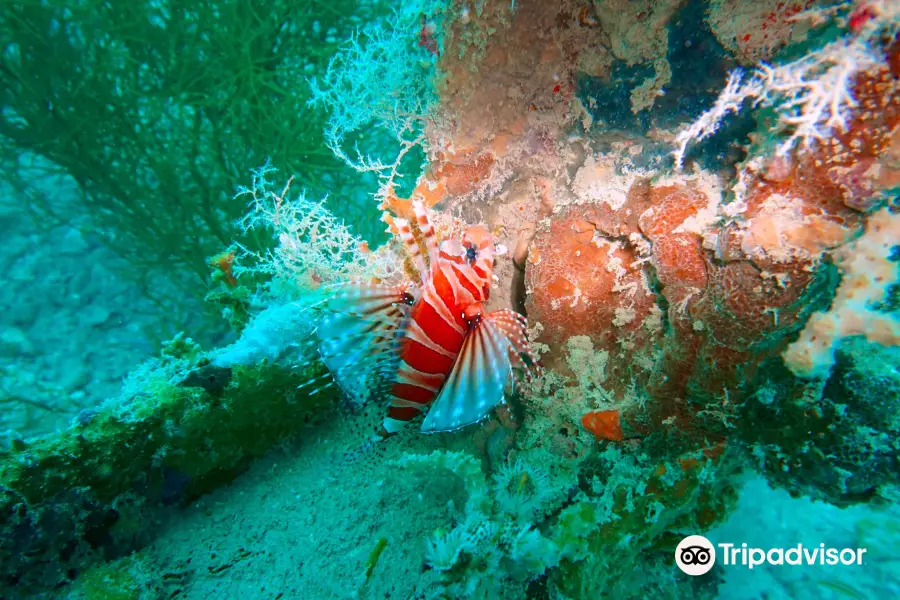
<point x="358" y="331"/>
<point x="476" y="382"/>
<point x="515" y="327"/>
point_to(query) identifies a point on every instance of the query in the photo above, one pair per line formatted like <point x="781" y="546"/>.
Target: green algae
<point x="69" y="497"/>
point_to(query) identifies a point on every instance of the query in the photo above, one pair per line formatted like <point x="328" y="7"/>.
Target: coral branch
<point x="812" y="95"/>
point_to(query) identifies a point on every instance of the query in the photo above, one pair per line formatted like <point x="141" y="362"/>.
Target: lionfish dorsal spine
<point x="426" y="228"/>
<point x="412" y="247"/>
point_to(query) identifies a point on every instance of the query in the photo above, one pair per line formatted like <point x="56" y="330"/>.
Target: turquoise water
<point x="449" y="299"/>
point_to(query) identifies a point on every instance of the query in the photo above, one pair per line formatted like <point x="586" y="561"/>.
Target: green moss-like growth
<point x="180" y="430"/>
<point x="123" y="579"/>
<point x="833" y="439"/>
<point x="372" y="561"/>
<point x="234" y="303"/>
<point x="640" y="511"/>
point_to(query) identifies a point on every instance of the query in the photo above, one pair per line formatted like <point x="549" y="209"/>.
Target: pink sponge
<point x="867" y="273"/>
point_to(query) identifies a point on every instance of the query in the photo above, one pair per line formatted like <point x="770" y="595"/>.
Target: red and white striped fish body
<point x="432" y="348"/>
<point x="449" y="307"/>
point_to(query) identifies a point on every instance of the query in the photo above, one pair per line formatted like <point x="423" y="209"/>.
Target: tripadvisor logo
<point x="696" y="555"/>
<point x="795" y="555"/>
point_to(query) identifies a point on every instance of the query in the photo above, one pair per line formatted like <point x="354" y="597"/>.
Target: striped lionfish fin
<point x="476" y="382"/>
<point x="515" y="327"/>
<point x="358" y="334"/>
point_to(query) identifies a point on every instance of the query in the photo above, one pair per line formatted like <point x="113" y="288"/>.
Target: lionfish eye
<point x="471" y="254"/>
<point x="407" y="298"/>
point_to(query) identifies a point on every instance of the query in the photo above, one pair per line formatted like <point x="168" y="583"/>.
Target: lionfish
<point x="426" y="347"/>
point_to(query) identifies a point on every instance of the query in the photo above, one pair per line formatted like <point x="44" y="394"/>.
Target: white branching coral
<point x="379" y="89"/>
<point x="314" y="247"/>
<point x="812" y="95"/>
<point x="379" y="76"/>
<point x="729" y="101"/>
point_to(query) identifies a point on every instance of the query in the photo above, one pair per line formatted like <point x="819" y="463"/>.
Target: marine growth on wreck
<point x="450" y="299"/>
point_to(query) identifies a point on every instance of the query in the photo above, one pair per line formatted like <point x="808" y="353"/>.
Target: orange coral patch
<point x="583" y="283"/>
<point x="463" y="178"/>
<point x="604" y="424"/>
<point x="672" y="205"/>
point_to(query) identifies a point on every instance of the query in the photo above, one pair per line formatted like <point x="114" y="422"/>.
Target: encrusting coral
<point x="683" y="284"/>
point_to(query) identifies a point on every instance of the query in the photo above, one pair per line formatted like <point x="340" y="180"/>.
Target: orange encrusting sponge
<point x="604" y="424"/>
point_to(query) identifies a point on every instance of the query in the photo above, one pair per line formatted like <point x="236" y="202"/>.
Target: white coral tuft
<point x="443" y="552"/>
<point x="522" y="491"/>
<point x="729" y="101"/>
<point x="812" y="95"/>
<point x="314" y="247"/>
